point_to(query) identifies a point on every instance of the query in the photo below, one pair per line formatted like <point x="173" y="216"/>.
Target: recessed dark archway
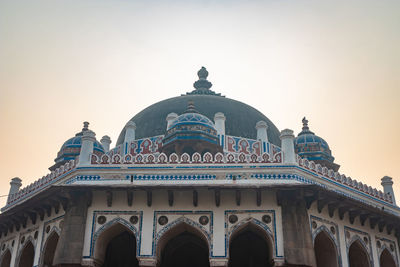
<point x="249" y="247"/>
<point x="121" y="251"/>
<point x="27" y="255"/>
<point x="358" y="256"/>
<point x="50" y="249"/>
<point x="325" y="250"/>
<point x="6" y="259"/>
<point x="386" y="259"/>
<point x="115" y="246"/>
<point x="185" y="249"/>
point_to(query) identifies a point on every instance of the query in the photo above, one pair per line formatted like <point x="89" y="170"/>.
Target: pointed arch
<point x="106" y="233"/>
<point x="26" y="254"/>
<point x="180" y="226"/>
<point x="386" y="259"/>
<point x="325" y="248"/>
<point x="250" y="240"/>
<point x="6" y="258"/>
<point x="257" y="227"/>
<point x="358" y="255"/>
<point x="49" y="247"/>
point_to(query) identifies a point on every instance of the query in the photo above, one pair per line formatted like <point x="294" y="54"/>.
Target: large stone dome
<point x="241" y="119"/>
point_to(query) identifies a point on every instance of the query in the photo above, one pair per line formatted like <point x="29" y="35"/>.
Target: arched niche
<point x="115" y="245"/>
<point x="184" y="244"/>
<point x="49" y="249"/>
<point x="386" y="259"/>
<point x="250" y="245"/>
<point x="27" y="255"/>
<point x="325" y="249"/>
<point x="6" y="259"/>
<point x="358" y="255"/>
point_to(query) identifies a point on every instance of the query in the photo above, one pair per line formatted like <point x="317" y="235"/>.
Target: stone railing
<point x="342" y="179"/>
<point x="196" y="158"/>
<point x="41" y="183"/>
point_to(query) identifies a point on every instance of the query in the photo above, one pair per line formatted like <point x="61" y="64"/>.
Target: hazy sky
<point x="336" y="62"/>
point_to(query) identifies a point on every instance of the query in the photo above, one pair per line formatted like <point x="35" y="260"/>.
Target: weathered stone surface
<point x="70" y="246"/>
<point x="298" y="249"/>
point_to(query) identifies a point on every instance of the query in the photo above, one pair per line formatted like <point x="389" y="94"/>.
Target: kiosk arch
<point x="114" y="243"/>
<point x="251" y="244"/>
<point x="386" y="259"/>
<point x="325" y="248"/>
<point x="358" y="255"/>
<point x="183" y="243"/>
<point x="6" y="259"/>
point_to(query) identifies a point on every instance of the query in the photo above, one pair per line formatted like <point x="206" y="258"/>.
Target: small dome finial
<point x="85" y="126"/>
<point x="202" y="73"/>
<point x="191" y="108"/>
<point x="305" y="124"/>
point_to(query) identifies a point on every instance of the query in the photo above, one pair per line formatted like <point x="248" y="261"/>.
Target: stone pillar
<point x="130" y="129"/>
<point x="105" y="142"/>
<point x="15" y="186"/>
<point x="387" y="184"/>
<point x="297" y="239"/>
<point x="70" y="246"/>
<point x="262" y="127"/>
<point x="223" y="262"/>
<point x="170" y="118"/>
<point x="219" y="120"/>
<point x="88" y="140"/>
<point x="287" y="138"/>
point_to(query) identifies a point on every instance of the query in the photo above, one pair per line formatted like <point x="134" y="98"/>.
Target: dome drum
<point x="191" y="132"/>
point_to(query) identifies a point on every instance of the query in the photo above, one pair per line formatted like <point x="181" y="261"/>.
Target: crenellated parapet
<point x="40" y="184"/>
<point x="196" y="158"/>
<point x="343" y="179"/>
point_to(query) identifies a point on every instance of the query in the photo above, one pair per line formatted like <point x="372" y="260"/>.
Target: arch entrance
<point x="6" y="259"/>
<point x="325" y="251"/>
<point x="182" y="246"/>
<point x="50" y="249"/>
<point x="386" y="259"/>
<point x="27" y="255"/>
<point x="358" y="256"/>
<point x="250" y="247"/>
<point x="116" y="247"/>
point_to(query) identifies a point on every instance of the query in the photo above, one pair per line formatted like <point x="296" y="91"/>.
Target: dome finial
<point x="305" y="124"/>
<point x="85" y="126"/>
<point x="191" y="108"/>
<point x="202" y="73"/>
<point x="202" y="84"/>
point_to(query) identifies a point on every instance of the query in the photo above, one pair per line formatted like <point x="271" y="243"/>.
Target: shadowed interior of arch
<point x="358" y="256"/>
<point x="116" y="247"/>
<point x="27" y="255"/>
<point x="6" y="259"/>
<point x="250" y="247"/>
<point x="386" y="259"/>
<point x="325" y="251"/>
<point x="183" y="245"/>
<point x="50" y="249"/>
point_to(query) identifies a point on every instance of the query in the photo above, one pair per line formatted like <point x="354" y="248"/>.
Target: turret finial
<point x="85" y="126"/>
<point x="305" y="124"/>
<point x="191" y="108"/>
